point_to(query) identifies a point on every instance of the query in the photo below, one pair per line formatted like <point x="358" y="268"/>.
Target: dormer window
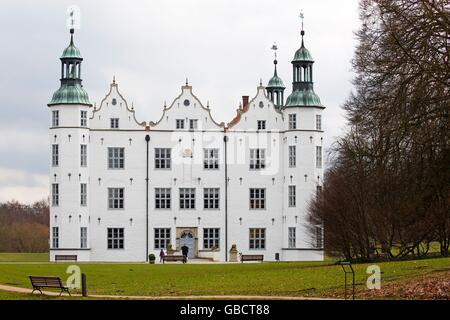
<point x="261" y="124"/>
<point x="180" y="123"/>
<point x="114" y="123"/>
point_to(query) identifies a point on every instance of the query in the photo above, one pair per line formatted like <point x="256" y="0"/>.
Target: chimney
<point x="244" y="102"/>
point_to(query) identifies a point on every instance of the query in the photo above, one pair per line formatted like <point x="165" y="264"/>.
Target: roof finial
<point x="260" y="82"/>
<point x="302" y="17"/>
<point x="114" y="79"/>
<point x="187" y="82"/>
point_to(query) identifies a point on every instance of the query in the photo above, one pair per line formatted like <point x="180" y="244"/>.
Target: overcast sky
<point x="222" y="46"/>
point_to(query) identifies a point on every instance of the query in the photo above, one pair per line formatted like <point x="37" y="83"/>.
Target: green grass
<point x="24" y="257"/>
<point x="284" y="278"/>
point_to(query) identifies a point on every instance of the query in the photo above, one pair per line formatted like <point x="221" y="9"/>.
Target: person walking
<point x="185" y="251"/>
<point x="161" y="255"/>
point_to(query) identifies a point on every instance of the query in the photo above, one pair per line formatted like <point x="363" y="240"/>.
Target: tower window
<point x="116" y="238"/>
<point x="55" y="155"/>
<point x="292" y="156"/>
<point x="163" y="158"/>
<point x="211" y="159"/>
<point x="179" y="123"/>
<point x="318" y="157"/>
<point x="55" y="194"/>
<point x="162" y="198"/>
<point x="261" y="124"/>
<point x="116" y="198"/>
<point x="83" y="118"/>
<point x="291" y="237"/>
<point x="83" y="194"/>
<point x="116" y="158"/>
<point x="257" y="237"/>
<point x="292" y="121"/>
<point x="257" y="198"/>
<point x="211" y="238"/>
<point x="162" y="238"/>
<point x="211" y="198"/>
<point x="55" y="118"/>
<point x="83" y="237"/>
<point x="318" y="122"/>
<point x="55" y="237"/>
<point x="292" y="196"/>
<point x="114" y="123"/>
<point x="187" y="198"/>
<point x="319" y="236"/>
<point x="257" y="159"/>
<point x="83" y="155"/>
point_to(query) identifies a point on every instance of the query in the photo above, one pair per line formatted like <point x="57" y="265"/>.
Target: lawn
<point x="24" y="257"/>
<point x="277" y="279"/>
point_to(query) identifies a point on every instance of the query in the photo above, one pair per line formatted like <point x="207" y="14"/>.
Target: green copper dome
<point x="68" y="94"/>
<point x="303" y="54"/>
<point x="71" y="52"/>
<point x="276" y="82"/>
<point x="303" y="98"/>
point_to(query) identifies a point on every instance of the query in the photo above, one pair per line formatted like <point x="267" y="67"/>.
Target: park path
<point x="99" y="296"/>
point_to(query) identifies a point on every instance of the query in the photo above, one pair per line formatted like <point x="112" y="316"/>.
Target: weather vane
<point x="74" y="19"/>
<point x="275" y="48"/>
<point x="302" y="16"/>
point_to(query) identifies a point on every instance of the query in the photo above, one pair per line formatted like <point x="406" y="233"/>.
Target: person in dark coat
<point x="161" y="255"/>
<point x="185" y="250"/>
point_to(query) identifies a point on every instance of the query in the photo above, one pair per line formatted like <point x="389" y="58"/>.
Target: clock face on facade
<point x="114" y="102"/>
<point x="186" y="102"/>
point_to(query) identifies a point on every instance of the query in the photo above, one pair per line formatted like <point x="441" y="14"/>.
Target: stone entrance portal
<point x="188" y="237"/>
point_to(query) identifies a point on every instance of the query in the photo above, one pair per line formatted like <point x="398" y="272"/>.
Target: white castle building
<point x="121" y="189"/>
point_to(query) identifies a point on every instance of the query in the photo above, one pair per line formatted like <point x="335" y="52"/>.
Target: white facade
<point x="123" y="171"/>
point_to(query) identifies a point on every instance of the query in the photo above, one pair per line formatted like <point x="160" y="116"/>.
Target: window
<point x="318" y="122"/>
<point x="211" y="198"/>
<point x="55" y="194"/>
<point x="180" y="123"/>
<point x="55" y="155"/>
<point x="292" y="121"/>
<point x="162" y="158"/>
<point x="55" y="237"/>
<point x="292" y="196"/>
<point x="115" y="198"/>
<point x="83" y="194"/>
<point x="116" y="158"/>
<point x="162" y="238"/>
<point x="116" y="238"/>
<point x="319" y="237"/>
<point x="83" y="155"/>
<point x="257" y="238"/>
<point x="193" y="124"/>
<point x="83" y="118"/>
<point x="187" y="198"/>
<point x="261" y="124"/>
<point x="257" y="159"/>
<point x="211" y="159"/>
<point x="318" y="190"/>
<point x="318" y="157"/>
<point x="162" y="198"/>
<point x="55" y="118"/>
<point x="291" y="237"/>
<point x="211" y="238"/>
<point x="292" y="156"/>
<point x="114" y="123"/>
<point x="257" y="198"/>
<point x="83" y="237"/>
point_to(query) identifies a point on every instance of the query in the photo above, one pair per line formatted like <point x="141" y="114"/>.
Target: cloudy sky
<point x="222" y="46"/>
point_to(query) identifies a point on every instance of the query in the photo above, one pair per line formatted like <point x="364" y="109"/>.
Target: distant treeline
<point x="24" y="228"/>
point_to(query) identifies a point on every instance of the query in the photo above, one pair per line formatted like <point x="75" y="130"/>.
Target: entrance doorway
<point x="187" y="239"/>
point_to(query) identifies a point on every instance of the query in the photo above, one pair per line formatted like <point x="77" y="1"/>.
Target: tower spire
<point x="302" y="17"/>
<point x="275" y="62"/>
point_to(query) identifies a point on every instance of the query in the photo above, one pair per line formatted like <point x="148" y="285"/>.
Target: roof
<point x="70" y="94"/>
<point x="275" y="82"/>
<point x="303" y="98"/>
<point x="303" y="54"/>
<point x="71" y="52"/>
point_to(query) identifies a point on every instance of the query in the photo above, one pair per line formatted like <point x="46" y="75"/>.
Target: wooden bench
<point x="47" y="282"/>
<point x="174" y="258"/>
<point x="65" y="258"/>
<point x="252" y="257"/>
